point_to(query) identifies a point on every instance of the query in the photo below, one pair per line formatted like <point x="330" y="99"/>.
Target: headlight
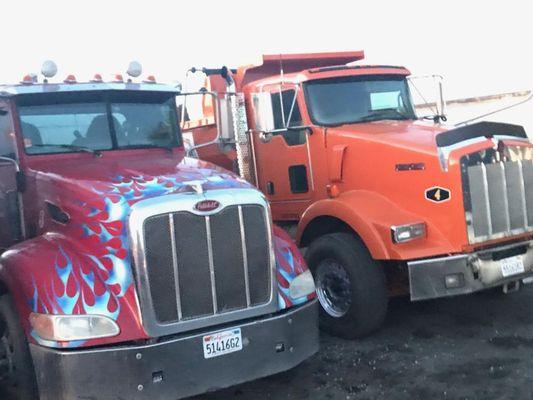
<point x="302" y="285"/>
<point x="73" y="327"/>
<point x="405" y="233"/>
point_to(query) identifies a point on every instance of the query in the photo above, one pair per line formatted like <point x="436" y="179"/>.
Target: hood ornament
<point x="197" y="186"/>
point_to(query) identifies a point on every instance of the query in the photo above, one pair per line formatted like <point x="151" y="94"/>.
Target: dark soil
<point x="469" y="347"/>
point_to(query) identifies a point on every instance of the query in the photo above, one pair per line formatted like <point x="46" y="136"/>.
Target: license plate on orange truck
<point x="220" y="343"/>
<point x="512" y="266"/>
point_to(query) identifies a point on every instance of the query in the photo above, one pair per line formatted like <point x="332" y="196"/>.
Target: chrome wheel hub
<point x="334" y="289"/>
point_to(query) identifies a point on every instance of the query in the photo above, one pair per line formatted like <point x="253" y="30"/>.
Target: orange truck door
<point x="282" y="163"/>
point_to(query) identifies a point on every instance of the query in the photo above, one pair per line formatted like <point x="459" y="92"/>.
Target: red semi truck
<point x="386" y="203"/>
<point x="129" y="271"/>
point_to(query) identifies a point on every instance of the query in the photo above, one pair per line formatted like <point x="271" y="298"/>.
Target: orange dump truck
<point x="384" y="202"/>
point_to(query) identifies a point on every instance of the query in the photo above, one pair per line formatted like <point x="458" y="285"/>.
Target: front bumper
<point x="475" y="271"/>
<point x="176" y="368"/>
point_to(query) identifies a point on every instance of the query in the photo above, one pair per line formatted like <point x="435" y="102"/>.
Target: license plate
<point x="512" y="266"/>
<point x="220" y="343"/>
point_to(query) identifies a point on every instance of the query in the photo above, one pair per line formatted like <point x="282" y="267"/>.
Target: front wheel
<point x="17" y="377"/>
<point x="351" y="286"/>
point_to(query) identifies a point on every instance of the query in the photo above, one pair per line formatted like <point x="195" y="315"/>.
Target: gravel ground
<point x="469" y="347"/>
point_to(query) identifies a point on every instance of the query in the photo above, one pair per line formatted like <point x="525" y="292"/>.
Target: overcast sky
<point x="479" y="48"/>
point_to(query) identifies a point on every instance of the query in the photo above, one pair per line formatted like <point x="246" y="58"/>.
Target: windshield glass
<point x="60" y="123"/>
<point x="353" y="99"/>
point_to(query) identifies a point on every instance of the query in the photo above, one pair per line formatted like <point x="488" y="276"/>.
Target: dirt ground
<point x="470" y="347"/>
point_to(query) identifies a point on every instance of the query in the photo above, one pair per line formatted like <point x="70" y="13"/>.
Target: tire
<point x="17" y="376"/>
<point x="351" y="286"/>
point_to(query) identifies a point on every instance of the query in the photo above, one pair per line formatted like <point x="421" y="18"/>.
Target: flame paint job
<point x="84" y="266"/>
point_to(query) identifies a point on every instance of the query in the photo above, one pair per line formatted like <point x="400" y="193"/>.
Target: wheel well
<point x="321" y="226"/>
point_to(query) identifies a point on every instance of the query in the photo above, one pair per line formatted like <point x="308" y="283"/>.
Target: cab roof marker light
<point x="118" y="78"/>
<point x="70" y="79"/>
<point x="150" y="79"/>
<point x="97" y="78"/>
<point x="27" y="80"/>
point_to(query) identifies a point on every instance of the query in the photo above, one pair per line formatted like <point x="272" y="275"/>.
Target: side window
<point x="7" y="134"/>
<point x="281" y="118"/>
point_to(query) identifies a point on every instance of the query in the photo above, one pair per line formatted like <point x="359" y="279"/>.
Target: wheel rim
<point x="7" y="365"/>
<point x="334" y="289"/>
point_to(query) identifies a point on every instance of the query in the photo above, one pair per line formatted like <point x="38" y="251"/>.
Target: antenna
<point x="49" y="70"/>
<point x="496" y="111"/>
<point x="134" y="69"/>
<point x="282" y="82"/>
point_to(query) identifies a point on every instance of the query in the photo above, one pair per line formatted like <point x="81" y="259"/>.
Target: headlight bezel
<point x="408" y="232"/>
<point x="62" y="327"/>
<point x="302" y="286"/>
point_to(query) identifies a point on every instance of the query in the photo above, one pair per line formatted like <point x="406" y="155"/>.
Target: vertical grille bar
<point x="516" y="196"/>
<point x="523" y="193"/>
<point x="505" y="198"/>
<point x="244" y="257"/>
<point x="175" y="264"/>
<point x="487" y="201"/>
<point x="478" y="201"/>
<point x="527" y="169"/>
<point x="497" y="199"/>
<point x="211" y="263"/>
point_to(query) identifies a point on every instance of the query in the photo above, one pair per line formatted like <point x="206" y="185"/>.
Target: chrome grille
<point x="498" y="192"/>
<point x="197" y="269"/>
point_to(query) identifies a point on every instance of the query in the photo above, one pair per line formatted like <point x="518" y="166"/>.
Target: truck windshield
<point x="73" y="122"/>
<point x="354" y="99"/>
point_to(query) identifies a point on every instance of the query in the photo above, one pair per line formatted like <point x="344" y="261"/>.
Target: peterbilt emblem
<point x="438" y="194"/>
<point x="206" y="205"/>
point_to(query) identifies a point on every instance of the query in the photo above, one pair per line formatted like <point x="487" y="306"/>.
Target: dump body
<point x="176" y="257"/>
<point x="466" y="191"/>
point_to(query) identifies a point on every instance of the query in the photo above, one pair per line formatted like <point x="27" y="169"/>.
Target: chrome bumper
<point x="470" y="272"/>
<point x="176" y="368"/>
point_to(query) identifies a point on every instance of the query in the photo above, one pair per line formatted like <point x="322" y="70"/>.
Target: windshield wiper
<point x="148" y="146"/>
<point x="382" y="114"/>
<point x="375" y="115"/>
<point x="71" y="147"/>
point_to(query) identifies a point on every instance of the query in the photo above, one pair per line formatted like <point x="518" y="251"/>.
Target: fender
<point x="289" y="264"/>
<point x="370" y="215"/>
<point x="52" y="274"/>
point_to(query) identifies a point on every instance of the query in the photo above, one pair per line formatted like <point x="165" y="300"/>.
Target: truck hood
<point x="128" y="179"/>
<point x="414" y="136"/>
<point x="96" y="195"/>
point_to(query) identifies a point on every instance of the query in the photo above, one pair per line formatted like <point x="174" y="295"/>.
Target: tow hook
<point x="511" y="287"/>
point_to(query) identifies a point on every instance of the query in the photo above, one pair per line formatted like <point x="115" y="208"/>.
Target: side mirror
<point x="226" y="115"/>
<point x="263" y="112"/>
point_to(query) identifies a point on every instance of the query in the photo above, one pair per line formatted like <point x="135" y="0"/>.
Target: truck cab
<point x="383" y="202"/>
<point x="129" y="270"/>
